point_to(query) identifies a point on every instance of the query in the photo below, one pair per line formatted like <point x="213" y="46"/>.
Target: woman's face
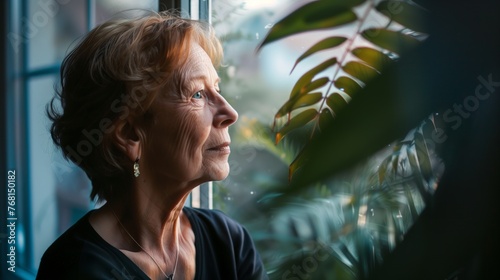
<point x="189" y="139"/>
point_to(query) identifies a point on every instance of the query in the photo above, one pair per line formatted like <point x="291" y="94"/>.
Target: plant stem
<point x="341" y="61"/>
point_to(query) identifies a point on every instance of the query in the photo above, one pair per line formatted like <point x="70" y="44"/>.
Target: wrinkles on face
<point x="189" y="137"/>
<point x="199" y="73"/>
<point x="184" y="130"/>
<point x="179" y="133"/>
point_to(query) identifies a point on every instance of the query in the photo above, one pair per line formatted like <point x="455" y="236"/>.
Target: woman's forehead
<point x="199" y="66"/>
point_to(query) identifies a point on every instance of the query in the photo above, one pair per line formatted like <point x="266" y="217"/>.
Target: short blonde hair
<point x="115" y="73"/>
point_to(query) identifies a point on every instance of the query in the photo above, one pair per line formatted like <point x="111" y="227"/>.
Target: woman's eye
<point x="198" y="94"/>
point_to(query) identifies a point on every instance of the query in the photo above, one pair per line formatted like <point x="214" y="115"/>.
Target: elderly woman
<point x="143" y="116"/>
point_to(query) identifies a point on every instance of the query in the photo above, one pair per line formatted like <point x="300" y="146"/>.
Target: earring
<point x="136" y="168"/>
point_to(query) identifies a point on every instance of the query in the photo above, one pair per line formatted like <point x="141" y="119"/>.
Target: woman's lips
<point x="222" y="148"/>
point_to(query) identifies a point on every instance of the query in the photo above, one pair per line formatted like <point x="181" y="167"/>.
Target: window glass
<point x="256" y="84"/>
<point x="51" y="27"/>
<point x="106" y="9"/>
<point x="59" y="190"/>
<point x="45" y="202"/>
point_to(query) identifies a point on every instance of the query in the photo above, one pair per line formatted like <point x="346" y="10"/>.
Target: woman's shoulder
<point x="212" y="218"/>
<point x="64" y="253"/>
<point x="222" y="241"/>
<point x="81" y="252"/>
<point x="72" y="239"/>
<point x="215" y="227"/>
<point x="203" y="213"/>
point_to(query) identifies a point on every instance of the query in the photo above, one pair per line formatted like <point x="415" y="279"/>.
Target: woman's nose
<point x="225" y="114"/>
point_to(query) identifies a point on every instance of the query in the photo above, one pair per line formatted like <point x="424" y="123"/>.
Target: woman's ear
<point x="126" y="138"/>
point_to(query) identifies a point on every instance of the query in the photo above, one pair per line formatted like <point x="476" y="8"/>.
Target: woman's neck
<point x="151" y="218"/>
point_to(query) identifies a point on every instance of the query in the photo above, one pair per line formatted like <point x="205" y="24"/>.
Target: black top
<point x="224" y="250"/>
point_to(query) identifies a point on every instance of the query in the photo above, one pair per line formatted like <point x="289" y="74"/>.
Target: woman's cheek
<point x="190" y="137"/>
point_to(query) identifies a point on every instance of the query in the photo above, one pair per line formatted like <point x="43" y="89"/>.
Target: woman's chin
<point x="219" y="174"/>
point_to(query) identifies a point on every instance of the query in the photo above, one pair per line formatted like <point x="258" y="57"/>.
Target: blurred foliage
<point x="354" y="218"/>
<point x="341" y="227"/>
<point x="323" y="92"/>
<point x="350" y="210"/>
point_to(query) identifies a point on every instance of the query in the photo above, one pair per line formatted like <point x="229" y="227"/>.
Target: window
<point x="50" y="193"/>
<point x="256" y="84"/>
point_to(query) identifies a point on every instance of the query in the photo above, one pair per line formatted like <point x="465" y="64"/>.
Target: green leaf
<point x="347" y="85"/>
<point x="395" y="162"/>
<point x="298" y="121"/>
<point x="286" y="108"/>
<point x="297" y="163"/>
<point x="307" y="100"/>
<point x="373" y="58"/>
<point x="324" y="44"/>
<point x="406" y="13"/>
<point x="360" y="71"/>
<point x="336" y="102"/>
<point x="313" y="16"/>
<point x="382" y="170"/>
<point x="315" y="85"/>
<point x="423" y="156"/>
<point x="325" y="119"/>
<point x="305" y="80"/>
<point x="393" y="41"/>
<point x="303" y="86"/>
<point x="411" y="201"/>
<point x="417" y="174"/>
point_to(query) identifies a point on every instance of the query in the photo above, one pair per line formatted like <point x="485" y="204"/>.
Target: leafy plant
<point x="355" y="218"/>
<point x="454" y="236"/>
<point x="366" y="213"/>
<point x="324" y="91"/>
